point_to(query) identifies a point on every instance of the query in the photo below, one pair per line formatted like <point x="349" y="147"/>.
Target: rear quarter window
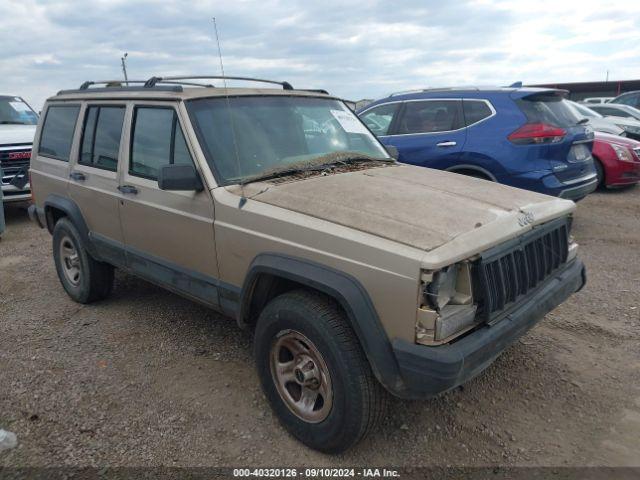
<point x="57" y="131"/>
<point x="548" y="109"/>
<point x="475" y="111"/>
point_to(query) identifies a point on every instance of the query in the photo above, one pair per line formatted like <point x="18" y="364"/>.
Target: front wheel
<point x="314" y="373"/>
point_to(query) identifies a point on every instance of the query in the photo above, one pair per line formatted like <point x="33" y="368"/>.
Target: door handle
<point x="128" y="189"/>
<point x="77" y="176"/>
<point x="446" y="144"/>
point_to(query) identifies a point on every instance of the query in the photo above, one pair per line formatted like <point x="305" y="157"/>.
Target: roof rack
<point x="173" y="84"/>
<point x="154" y="80"/>
<point x="435" y="89"/>
<point x="123" y="83"/>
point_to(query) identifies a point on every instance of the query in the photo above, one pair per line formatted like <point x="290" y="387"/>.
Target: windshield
<point x="15" y="111"/>
<point x="253" y="136"/>
<point x="585" y="111"/>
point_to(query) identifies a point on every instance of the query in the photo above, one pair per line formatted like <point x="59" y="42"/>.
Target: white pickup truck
<point x="17" y="129"/>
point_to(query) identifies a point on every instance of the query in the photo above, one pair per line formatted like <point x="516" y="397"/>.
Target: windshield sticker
<point x="349" y="122"/>
<point x="19" y="106"/>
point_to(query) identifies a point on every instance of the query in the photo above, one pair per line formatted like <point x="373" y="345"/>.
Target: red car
<point x="617" y="160"/>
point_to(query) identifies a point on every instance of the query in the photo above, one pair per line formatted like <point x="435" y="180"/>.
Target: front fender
<point x="351" y="296"/>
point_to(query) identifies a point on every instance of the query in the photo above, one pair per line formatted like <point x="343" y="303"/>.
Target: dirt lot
<point x="148" y="378"/>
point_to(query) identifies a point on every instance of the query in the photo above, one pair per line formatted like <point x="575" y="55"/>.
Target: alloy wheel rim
<point x="301" y="376"/>
<point x="70" y="261"/>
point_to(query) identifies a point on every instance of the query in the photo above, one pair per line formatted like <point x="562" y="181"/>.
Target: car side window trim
<point x="400" y="112"/>
<point x="487" y="103"/>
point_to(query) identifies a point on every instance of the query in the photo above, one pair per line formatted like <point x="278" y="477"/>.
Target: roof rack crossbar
<point x="154" y="80"/>
<point x="122" y="83"/>
<point x="434" y="89"/>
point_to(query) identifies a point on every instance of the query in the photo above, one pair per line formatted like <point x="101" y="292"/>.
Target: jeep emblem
<point x="525" y="219"/>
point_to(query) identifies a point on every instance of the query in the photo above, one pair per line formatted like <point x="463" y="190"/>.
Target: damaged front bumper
<point x="428" y="371"/>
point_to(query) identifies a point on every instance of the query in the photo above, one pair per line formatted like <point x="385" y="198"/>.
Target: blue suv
<point x="523" y="137"/>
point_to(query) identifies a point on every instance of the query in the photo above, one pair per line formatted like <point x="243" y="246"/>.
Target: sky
<point x="356" y="49"/>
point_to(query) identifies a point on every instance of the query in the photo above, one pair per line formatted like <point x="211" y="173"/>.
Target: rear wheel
<point x="314" y="372"/>
<point x="84" y="278"/>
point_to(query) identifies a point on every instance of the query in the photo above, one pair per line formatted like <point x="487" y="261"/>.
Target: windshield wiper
<point x="11" y="122"/>
<point x="283" y="173"/>
<point x="323" y="162"/>
<point x="583" y="120"/>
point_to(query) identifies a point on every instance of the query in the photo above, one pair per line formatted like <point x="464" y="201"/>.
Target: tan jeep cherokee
<point x="280" y="209"/>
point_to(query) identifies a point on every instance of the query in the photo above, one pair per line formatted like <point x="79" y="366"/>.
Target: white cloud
<point x="365" y="48"/>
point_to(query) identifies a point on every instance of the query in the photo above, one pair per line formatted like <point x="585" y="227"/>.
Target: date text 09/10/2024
<point x="316" y="472"/>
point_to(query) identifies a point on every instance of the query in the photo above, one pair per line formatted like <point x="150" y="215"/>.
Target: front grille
<point x="13" y="161"/>
<point x="505" y="274"/>
<point x="636" y="150"/>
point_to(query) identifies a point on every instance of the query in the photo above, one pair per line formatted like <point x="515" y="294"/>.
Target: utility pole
<point x="607" y="76"/>
<point x="123" y="59"/>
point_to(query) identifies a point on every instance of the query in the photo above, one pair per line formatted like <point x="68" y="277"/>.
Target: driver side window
<point x="157" y="140"/>
<point x="379" y="119"/>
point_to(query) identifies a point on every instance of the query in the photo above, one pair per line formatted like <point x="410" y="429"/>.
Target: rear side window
<point x="475" y="111"/>
<point x="57" y="131"/>
<point x="431" y="116"/>
<point x="379" y="119"/>
<point x="157" y="140"/>
<point x="548" y="109"/>
<point x="101" y="137"/>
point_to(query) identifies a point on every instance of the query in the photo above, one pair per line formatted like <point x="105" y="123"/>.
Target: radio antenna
<point x="243" y="199"/>
<point x="123" y="60"/>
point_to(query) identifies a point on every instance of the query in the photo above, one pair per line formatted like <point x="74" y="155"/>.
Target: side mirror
<point x="392" y="151"/>
<point x="179" y="177"/>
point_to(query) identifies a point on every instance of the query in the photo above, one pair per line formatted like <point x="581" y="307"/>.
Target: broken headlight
<point x="446" y="304"/>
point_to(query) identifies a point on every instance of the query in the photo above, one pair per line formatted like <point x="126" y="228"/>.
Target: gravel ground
<point x="147" y="378"/>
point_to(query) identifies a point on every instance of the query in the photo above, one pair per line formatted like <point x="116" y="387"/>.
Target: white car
<point x="597" y="121"/>
<point x="17" y="128"/>
<point x="621" y="118"/>
<point x="617" y="110"/>
<point x="597" y="100"/>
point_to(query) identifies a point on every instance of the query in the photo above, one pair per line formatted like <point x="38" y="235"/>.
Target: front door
<point x="429" y="133"/>
<point x="169" y="235"/>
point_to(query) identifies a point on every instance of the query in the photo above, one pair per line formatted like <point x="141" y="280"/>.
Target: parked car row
<point x="359" y="275"/>
<point x="531" y="138"/>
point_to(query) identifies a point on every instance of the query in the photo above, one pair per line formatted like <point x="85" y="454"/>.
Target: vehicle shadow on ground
<point x="16" y="213"/>
<point x="616" y="190"/>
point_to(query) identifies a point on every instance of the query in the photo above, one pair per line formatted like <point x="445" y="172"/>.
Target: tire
<point x="599" y="173"/>
<point x="473" y="174"/>
<point x="355" y="402"/>
<point x="84" y="279"/>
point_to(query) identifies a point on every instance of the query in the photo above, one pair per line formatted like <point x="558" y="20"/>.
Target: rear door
<point x="429" y="133"/>
<point x="169" y="235"/>
<point x="93" y="176"/>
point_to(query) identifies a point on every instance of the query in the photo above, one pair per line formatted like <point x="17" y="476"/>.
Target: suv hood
<point x="415" y="206"/>
<point x="12" y="134"/>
